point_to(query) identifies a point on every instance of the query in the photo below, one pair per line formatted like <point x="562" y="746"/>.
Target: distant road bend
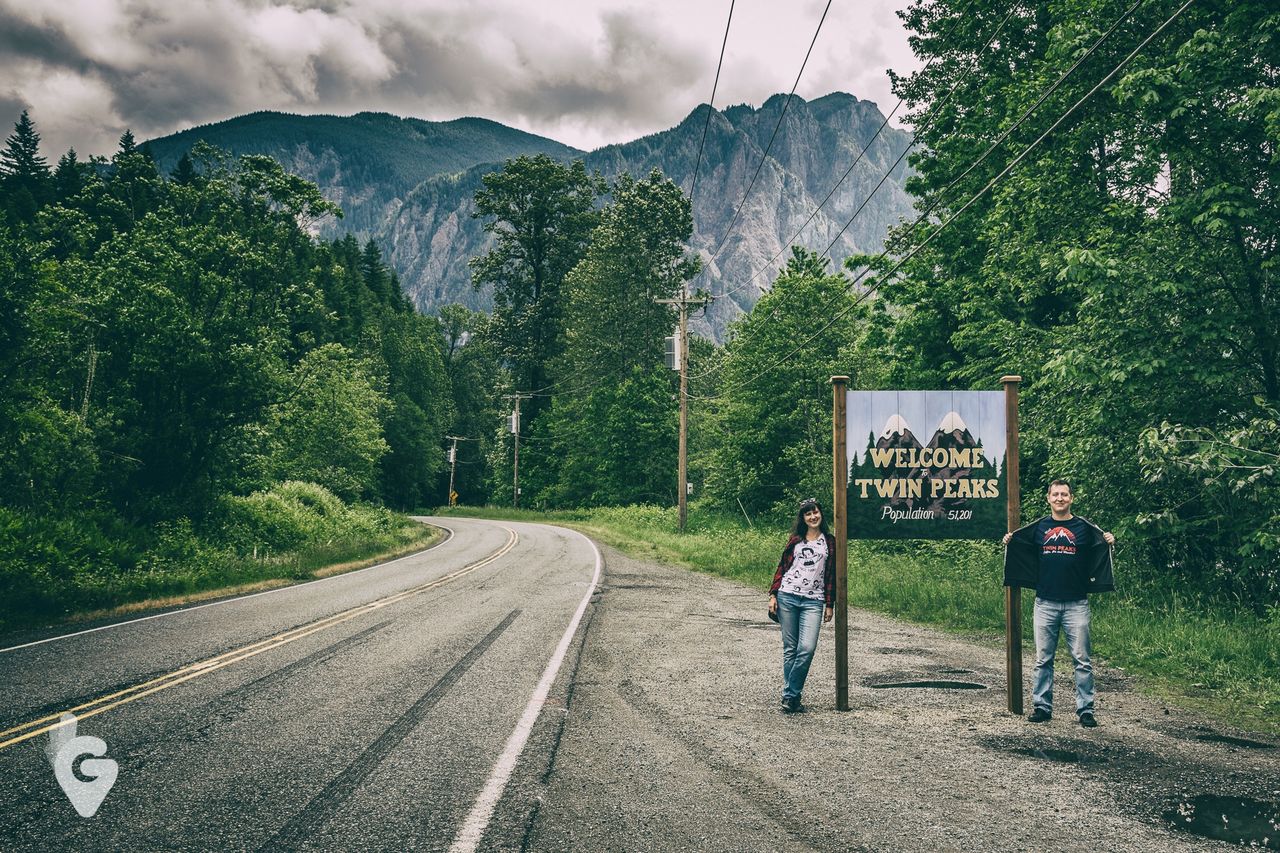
<point x="380" y="709"/>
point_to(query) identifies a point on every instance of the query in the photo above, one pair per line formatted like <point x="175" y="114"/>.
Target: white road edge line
<point x="229" y="600"/>
<point x="473" y="828"/>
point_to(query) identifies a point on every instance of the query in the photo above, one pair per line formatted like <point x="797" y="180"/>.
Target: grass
<point x="231" y="576"/>
<point x="1220" y="661"/>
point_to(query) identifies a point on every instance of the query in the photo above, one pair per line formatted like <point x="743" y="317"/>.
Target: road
<point x="370" y="712"/>
<point x="364" y="711"/>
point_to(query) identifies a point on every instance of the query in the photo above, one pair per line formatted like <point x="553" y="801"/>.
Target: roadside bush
<point x="294" y="514"/>
<point x="50" y="565"/>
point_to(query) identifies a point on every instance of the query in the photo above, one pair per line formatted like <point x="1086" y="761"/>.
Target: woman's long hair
<point x="800" y="529"/>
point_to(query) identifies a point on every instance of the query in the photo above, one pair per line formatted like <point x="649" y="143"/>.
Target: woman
<point x="804" y="586"/>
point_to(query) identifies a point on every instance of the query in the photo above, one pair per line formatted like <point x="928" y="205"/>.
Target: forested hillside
<point x="366" y="163"/>
<point x="173" y="349"/>
<point x="1094" y="210"/>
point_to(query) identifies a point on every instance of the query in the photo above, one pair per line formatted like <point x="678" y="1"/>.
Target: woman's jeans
<point x="1072" y="618"/>
<point x="800" y="619"/>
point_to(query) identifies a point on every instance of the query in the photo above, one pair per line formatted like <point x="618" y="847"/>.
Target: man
<point x="1064" y="558"/>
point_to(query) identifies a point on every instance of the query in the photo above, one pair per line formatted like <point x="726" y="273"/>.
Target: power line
<point x="927" y="123"/>
<point x="933" y="112"/>
<point x="1005" y="134"/>
<point x="710" y="106"/>
<point x="769" y="147"/>
<point x="916" y="249"/>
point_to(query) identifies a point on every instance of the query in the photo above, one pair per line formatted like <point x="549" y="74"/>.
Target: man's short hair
<point x="1066" y="483"/>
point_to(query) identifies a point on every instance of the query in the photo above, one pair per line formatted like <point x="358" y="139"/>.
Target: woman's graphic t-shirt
<point x="808" y="568"/>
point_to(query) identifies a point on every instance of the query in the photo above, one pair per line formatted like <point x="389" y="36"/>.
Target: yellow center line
<point x="204" y="667"/>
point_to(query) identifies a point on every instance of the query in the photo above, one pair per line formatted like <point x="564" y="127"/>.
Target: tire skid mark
<point x="746" y="787"/>
<point x="114" y="699"/>
<point x="336" y="792"/>
<point x="227" y="707"/>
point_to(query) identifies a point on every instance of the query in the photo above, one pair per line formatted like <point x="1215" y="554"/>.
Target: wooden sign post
<point x="840" y="480"/>
<point x="1013" y="509"/>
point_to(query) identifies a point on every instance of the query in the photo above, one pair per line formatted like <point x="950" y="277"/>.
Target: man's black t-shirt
<point x="1062" y="577"/>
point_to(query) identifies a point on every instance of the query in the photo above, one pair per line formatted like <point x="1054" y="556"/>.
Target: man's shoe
<point x="1087" y="720"/>
<point x="1039" y="715"/>
<point x="792" y="706"/>
<point x="786" y="705"/>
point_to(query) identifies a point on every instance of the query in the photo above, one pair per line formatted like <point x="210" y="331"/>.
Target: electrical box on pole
<point x="513" y="422"/>
<point x="677" y="359"/>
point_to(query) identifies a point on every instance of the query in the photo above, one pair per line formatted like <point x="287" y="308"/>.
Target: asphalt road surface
<point x="492" y="694"/>
<point x="366" y="711"/>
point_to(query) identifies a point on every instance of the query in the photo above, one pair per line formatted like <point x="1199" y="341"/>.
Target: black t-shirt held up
<point x="1062" y="576"/>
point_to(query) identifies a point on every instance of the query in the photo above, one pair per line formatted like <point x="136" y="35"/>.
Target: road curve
<point x="364" y="711"/>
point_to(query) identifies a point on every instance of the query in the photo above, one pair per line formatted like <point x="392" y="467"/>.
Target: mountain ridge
<point x="420" y="212"/>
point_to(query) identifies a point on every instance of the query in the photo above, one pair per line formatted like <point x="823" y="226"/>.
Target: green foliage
<point x="1126" y="269"/>
<point x="613" y="319"/>
<point x="1231" y="483"/>
<point x="168" y="345"/>
<point x="610" y="437"/>
<point x="328" y="429"/>
<point x="771" y="415"/>
<point x="615" y="444"/>
<point x="54" y="566"/>
<point x="541" y="214"/>
<point x="293" y="514"/>
<point x="474" y="377"/>
<point x="422" y="407"/>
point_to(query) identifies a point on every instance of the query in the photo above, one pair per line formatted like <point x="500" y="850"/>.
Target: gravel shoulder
<point x="665" y="735"/>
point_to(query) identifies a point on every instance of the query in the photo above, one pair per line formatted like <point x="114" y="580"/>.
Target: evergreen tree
<point x="25" y="181"/>
<point x="127" y="144"/>
<point x="184" y="173"/>
<point x="377" y="278"/>
<point x="70" y="176"/>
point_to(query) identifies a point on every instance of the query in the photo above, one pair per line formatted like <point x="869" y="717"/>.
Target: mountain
<point x="366" y="163"/>
<point x="410" y="185"/>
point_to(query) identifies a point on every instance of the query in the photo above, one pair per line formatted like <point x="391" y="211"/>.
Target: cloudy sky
<point x="584" y="73"/>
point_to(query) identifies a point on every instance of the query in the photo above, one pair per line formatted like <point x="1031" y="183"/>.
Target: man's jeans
<point x="800" y="619"/>
<point x="1072" y="618"/>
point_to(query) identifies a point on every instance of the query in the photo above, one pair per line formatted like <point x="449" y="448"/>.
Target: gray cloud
<point x="582" y="71"/>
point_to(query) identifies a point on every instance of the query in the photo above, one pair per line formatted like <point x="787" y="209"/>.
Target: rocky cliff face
<point x="410" y="185"/>
<point x="432" y="235"/>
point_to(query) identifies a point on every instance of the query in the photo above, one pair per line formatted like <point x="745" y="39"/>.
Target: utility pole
<point x="681" y="357"/>
<point x="514" y="425"/>
<point x="453" y="468"/>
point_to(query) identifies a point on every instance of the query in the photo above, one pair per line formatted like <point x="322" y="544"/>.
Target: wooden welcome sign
<point x="924" y="465"/>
